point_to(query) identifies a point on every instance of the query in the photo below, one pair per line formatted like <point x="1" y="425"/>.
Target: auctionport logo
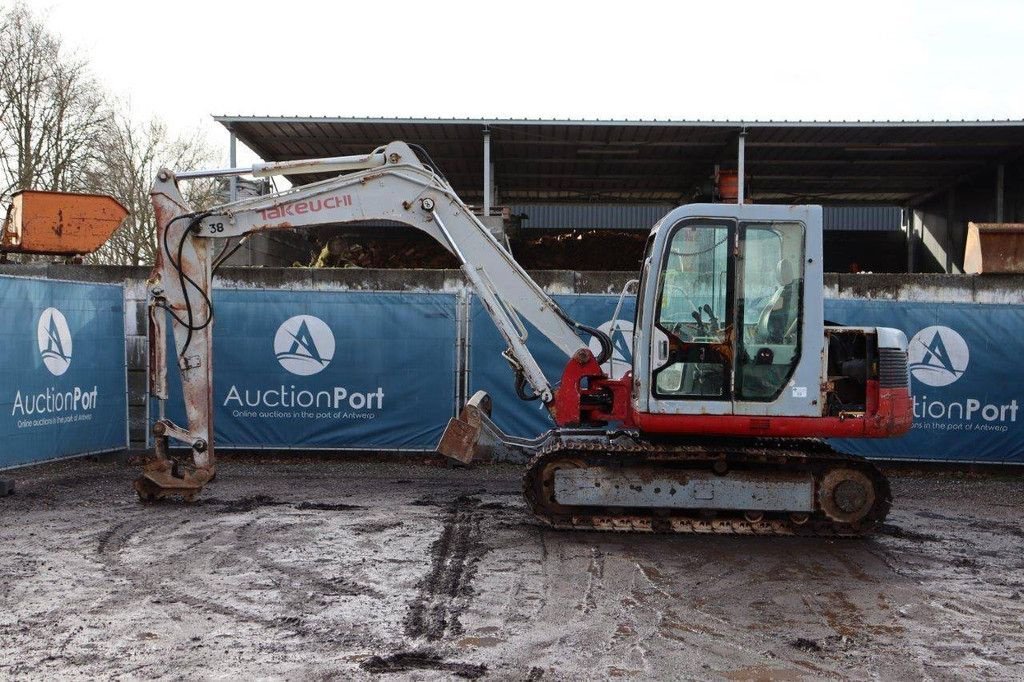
<point x="938" y="356"/>
<point x="54" y="341"/>
<point x="304" y="345"/>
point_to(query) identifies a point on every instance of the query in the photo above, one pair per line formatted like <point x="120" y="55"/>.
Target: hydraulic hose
<point x="606" y="342"/>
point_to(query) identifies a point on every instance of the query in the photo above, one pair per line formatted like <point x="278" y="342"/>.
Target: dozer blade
<point x="59" y="223"/>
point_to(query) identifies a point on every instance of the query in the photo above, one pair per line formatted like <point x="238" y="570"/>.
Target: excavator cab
<point x="731" y="333"/>
<point x="730" y="314"/>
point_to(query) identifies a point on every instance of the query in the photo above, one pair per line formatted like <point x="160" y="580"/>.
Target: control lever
<point x="711" y="315"/>
<point x="700" y="322"/>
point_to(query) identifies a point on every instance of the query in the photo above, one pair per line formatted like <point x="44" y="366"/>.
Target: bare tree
<point x="130" y="154"/>
<point x="51" y="109"/>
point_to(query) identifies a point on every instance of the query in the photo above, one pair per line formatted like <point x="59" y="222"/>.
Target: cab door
<point x="693" y="337"/>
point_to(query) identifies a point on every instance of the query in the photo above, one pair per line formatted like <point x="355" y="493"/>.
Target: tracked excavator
<point x="717" y="427"/>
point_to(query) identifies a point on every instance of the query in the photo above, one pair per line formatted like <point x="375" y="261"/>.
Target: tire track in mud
<point x="163" y="590"/>
<point x="445" y="591"/>
<point x="114" y="540"/>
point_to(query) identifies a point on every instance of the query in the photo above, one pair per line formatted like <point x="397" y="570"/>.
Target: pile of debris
<point x="398" y="248"/>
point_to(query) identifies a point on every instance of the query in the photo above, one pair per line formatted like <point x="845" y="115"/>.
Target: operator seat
<point x="777" y="318"/>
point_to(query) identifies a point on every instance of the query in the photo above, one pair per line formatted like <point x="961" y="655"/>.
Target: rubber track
<point x="775" y="455"/>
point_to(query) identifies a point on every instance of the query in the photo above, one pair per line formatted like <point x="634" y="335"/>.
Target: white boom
<point x="390" y="183"/>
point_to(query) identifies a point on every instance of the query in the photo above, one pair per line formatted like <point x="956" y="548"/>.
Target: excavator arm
<point x="391" y="183"/>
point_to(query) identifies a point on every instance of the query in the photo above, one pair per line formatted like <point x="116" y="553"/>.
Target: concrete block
<point x="868" y="286"/>
<point x="37" y="270"/>
<point x="555" y="281"/>
<point x="136" y="321"/>
<point x="997" y="288"/>
<point x="114" y="274"/>
<point x="137" y="387"/>
<point x="831" y="285"/>
<point x="600" y="282"/>
<point x="360" y="279"/>
<point x="138" y="425"/>
<point x="264" y="278"/>
<point x="137" y="350"/>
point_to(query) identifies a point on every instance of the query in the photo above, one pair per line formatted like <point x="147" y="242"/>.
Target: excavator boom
<point x="389" y="184"/>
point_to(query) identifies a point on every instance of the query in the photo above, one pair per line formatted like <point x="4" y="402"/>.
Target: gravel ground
<point x="397" y="570"/>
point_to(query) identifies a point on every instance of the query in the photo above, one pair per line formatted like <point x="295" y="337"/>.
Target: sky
<point x="187" y="60"/>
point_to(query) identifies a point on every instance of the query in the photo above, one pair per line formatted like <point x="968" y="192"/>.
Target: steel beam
<point x="741" y="160"/>
<point x="487" y="171"/>
<point x="1000" y="179"/>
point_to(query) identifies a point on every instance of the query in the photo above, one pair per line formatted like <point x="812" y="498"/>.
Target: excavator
<point x="720" y="424"/>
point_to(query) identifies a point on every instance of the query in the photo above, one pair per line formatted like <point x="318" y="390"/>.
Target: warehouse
<point x="899" y="194"/>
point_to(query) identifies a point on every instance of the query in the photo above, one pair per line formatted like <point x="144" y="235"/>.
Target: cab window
<point x="770" y="291"/>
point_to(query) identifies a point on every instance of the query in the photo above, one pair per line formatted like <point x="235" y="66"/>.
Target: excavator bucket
<point x="462" y="435"/>
<point x="59" y="223"/>
<point x="994" y="248"/>
<point x="473" y="437"/>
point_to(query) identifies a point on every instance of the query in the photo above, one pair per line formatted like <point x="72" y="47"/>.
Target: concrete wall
<point x="899" y="287"/>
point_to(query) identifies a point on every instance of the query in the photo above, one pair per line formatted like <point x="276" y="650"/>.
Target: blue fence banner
<point x="967" y="403"/>
<point x="62" y="370"/>
<point x="329" y="370"/>
<point x="964" y="367"/>
<point x="488" y="371"/>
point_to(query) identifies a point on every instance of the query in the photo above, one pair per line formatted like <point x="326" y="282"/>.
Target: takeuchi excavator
<point x="719" y="425"/>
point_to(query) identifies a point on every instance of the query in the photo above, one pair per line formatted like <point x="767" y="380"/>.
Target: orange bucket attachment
<point x="59" y="223"/>
<point x="994" y="248"/>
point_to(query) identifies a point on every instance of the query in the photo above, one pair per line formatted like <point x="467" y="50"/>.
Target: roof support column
<point x="233" y="163"/>
<point x="487" y="171"/>
<point x="741" y="154"/>
<point x="950" y="217"/>
<point x="1000" y="179"/>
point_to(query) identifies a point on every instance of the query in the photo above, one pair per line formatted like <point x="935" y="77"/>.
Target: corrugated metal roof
<point x="544" y="161"/>
<point x="224" y="118"/>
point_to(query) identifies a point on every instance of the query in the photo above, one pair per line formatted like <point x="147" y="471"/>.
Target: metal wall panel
<point x="592" y="216"/>
<point x="864" y="218"/>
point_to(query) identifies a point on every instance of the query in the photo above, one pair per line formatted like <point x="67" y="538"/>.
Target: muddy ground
<point x="383" y="571"/>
